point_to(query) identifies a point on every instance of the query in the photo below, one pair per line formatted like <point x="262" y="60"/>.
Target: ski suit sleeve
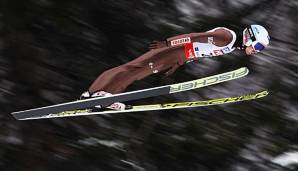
<point x="219" y="35"/>
<point x="185" y="38"/>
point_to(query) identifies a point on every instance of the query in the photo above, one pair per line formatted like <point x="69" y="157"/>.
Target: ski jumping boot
<point x="114" y="106"/>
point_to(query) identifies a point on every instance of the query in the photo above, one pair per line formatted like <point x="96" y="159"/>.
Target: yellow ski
<point x="165" y="106"/>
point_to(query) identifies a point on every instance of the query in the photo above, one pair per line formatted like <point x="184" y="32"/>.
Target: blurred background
<point x="51" y="51"/>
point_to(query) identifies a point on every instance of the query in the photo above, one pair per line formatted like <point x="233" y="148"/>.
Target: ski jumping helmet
<point x="256" y="36"/>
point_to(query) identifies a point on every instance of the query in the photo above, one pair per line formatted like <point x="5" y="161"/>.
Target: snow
<point x="94" y="142"/>
<point x="286" y="159"/>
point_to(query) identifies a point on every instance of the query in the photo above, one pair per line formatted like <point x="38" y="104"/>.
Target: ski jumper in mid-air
<point x="166" y="56"/>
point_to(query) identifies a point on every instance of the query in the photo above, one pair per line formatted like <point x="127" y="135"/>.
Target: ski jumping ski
<point x="133" y="95"/>
<point x="154" y="107"/>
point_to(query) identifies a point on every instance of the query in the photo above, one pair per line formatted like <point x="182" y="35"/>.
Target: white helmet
<point x="257" y="36"/>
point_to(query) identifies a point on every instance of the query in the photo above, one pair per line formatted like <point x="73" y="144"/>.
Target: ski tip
<point x="241" y="72"/>
<point x="244" y="69"/>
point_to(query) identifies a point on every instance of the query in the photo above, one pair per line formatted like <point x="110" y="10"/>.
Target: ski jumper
<point x="180" y="49"/>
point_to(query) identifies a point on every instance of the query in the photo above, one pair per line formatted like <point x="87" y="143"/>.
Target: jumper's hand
<point x="157" y="44"/>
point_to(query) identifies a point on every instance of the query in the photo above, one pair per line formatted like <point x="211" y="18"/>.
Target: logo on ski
<point x="215" y="101"/>
<point x="208" y="80"/>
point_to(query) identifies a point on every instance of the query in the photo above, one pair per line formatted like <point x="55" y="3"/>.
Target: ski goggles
<point x="250" y="39"/>
<point x="257" y="46"/>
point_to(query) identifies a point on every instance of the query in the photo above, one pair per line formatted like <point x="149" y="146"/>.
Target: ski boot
<point x="114" y="106"/>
